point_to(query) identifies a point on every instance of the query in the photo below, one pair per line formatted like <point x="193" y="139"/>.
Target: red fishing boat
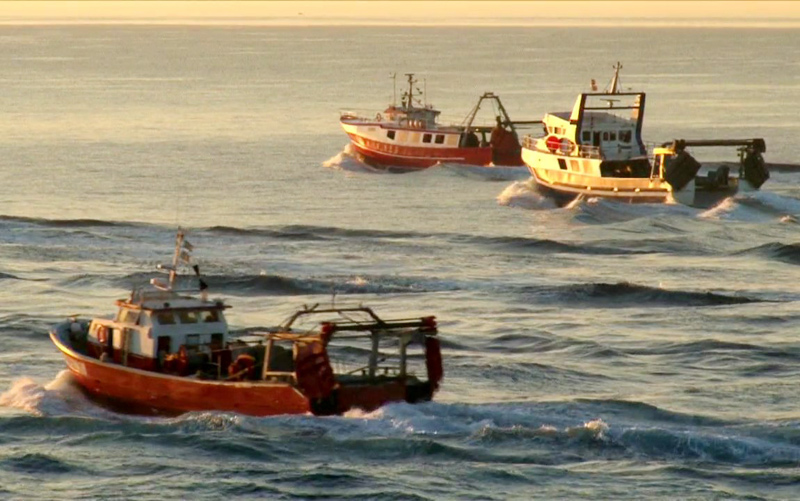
<point x="168" y="351"/>
<point x="409" y="137"/>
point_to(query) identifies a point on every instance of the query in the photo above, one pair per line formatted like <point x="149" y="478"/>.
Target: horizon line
<point x="309" y="21"/>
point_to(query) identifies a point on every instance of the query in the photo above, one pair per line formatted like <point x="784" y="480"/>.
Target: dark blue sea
<point x="597" y="351"/>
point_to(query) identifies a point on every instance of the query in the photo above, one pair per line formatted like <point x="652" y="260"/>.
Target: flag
<point x="196" y="269"/>
<point x="186" y="245"/>
<point x="203" y="285"/>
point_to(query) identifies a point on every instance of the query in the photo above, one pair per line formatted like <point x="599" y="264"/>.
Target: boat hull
<point x="565" y="186"/>
<point x="404" y="156"/>
<point x="138" y="391"/>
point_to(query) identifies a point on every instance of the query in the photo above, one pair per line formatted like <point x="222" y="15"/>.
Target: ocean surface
<point x="597" y="351"/>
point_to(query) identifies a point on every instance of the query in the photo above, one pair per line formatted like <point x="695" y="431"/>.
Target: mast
<point x="394" y="89"/>
<point x="173" y="273"/>
<point x="410" y="102"/>
<point x="615" y="80"/>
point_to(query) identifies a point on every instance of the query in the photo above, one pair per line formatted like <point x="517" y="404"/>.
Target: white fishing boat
<point x="596" y="150"/>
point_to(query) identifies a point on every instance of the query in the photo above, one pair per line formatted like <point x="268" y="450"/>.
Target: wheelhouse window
<point x="426" y="138"/>
<point x="193" y="340"/>
<point x="165" y="317"/>
<point x="187" y="317"/>
<point x="587" y="135"/>
<point x="605" y="136"/>
<point x="128" y="316"/>
<point x="390" y="134"/>
<point x="209" y="316"/>
<point x="439" y="138"/>
<point x="613" y="136"/>
<point x="625" y="136"/>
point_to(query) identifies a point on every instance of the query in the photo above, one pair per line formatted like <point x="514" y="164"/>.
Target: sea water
<point x="601" y="350"/>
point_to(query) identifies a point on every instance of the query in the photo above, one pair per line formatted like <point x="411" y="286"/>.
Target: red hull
<point x="384" y="155"/>
<point x="141" y="391"/>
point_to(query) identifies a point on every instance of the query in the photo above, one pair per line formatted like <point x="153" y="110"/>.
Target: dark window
<point x="216" y="341"/>
<point x="439" y="138"/>
<point x="605" y="136"/>
<point x="613" y="136"/>
<point x="209" y="316"/>
<point x="163" y="344"/>
<point x="192" y="339"/>
<point x="390" y="134"/>
<point x="587" y="135"/>
<point x="165" y="318"/>
<point x="625" y="136"/>
<point x="426" y="138"/>
<point x="187" y="317"/>
<point x="562" y="164"/>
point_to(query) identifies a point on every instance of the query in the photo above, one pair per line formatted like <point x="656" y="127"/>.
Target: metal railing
<point x="358" y="115"/>
<point x="578" y="150"/>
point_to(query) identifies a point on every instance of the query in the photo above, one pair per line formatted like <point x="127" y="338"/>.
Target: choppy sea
<point x="597" y="351"/>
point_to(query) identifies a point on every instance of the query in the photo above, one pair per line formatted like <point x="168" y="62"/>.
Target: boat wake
<point x="756" y="207"/>
<point x="523" y="195"/>
<point x="560" y="432"/>
<point x="595" y="210"/>
<point x="487" y="173"/>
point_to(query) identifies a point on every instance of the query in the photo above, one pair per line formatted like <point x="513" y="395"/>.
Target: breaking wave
<point x="625" y="295"/>
<point x="290" y="286"/>
<point x="523" y="195"/>
<point x="308" y="232"/>
<point x="62" y="223"/>
<point x="787" y="253"/>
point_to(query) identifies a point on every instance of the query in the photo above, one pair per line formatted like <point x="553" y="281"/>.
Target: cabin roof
<point x="161" y="300"/>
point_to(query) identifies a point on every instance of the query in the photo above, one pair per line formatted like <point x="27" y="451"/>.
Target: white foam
<point x="521" y="194"/>
<point x="755" y="207"/>
<point x="347" y="161"/>
<point x="358" y="281"/>
<point x="56" y="398"/>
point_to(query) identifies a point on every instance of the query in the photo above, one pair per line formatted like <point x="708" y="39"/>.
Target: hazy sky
<point x="388" y="11"/>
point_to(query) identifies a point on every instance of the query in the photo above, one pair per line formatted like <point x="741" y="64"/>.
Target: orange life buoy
<point x="241" y="368"/>
<point x="102" y="334"/>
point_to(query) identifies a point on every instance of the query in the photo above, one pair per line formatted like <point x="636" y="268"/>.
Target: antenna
<point x="394" y="89"/>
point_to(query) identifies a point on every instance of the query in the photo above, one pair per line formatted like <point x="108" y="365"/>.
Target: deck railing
<point x="580" y="150"/>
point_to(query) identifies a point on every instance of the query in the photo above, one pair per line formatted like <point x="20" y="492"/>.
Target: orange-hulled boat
<point x="409" y="137"/>
<point x="168" y="351"/>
